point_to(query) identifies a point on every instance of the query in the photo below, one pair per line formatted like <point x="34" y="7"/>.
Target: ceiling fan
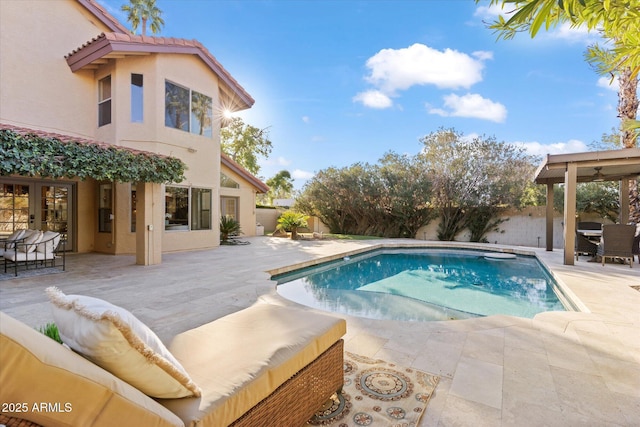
<point x="598" y="176"/>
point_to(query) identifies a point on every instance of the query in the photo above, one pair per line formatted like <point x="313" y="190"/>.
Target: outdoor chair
<point x="585" y="246"/>
<point x="617" y="242"/>
<point x="589" y="225"/>
<point x="8" y="243"/>
<point x="36" y="248"/>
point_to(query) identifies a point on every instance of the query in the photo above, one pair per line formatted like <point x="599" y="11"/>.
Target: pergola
<point x="613" y="165"/>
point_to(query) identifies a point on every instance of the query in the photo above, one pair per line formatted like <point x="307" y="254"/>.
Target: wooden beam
<point x="624" y="201"/>
<point x="570" y="185"/>
<point x="549" y="231"/>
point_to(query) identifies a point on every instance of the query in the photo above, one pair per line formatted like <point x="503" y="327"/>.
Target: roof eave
<point x="235" y="167"/>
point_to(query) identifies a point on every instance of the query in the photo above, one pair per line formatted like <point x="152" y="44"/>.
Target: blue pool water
<point x="424" y="285"/>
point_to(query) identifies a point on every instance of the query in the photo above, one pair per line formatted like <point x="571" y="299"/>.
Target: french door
<point x="37" y="205"/>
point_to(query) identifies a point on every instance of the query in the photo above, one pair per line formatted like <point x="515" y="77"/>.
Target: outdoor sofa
<point x="266" y="365"/>
<point x="35" y="248"/>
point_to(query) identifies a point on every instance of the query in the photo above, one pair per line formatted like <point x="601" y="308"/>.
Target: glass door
<point x="14" y="207"/>
<point x="54" y="210"/>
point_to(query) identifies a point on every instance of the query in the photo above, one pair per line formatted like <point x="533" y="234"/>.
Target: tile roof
<point x="72" y="139"/>
<point x="234" y="166"/>
<point x="106" y="44"/>
<point x="104" y="16"/>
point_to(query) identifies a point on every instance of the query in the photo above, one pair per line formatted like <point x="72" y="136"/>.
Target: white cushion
<point x="116" y="340"/>
<point x="16" y="235"/>
<point x="48" y="243"/>
<point x="28" y="244"/>
<point x="18" y="256"/>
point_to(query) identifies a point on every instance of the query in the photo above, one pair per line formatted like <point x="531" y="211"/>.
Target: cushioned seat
<point x="242" y="358"/>
<point x="36" y="370"/>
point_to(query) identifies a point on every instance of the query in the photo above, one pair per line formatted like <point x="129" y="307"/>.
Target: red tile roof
<point x="71" y="139"/>
<point x="104" y="16"/>
<point x="234" y="166"/>
<point x="108" y="43"/>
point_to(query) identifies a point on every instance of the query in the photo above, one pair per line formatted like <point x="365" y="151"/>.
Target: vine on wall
<point x="33" y="155"/>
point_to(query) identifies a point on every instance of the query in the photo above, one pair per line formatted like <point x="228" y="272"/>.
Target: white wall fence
<point x="522" y="228"/>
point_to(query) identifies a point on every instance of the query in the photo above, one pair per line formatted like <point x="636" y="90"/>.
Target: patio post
<point x="549" y="233"/>
<point x="624" y="201"/>
<point x="570" y="184"/>
<point x="149" y="223"/>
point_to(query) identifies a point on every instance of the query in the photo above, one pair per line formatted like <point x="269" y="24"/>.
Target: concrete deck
<point x="558" y="369"/>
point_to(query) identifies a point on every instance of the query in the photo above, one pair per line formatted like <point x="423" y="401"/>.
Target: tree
<point x="280" y="186"/>
<point x="474" y="180"/>
<point x="617" y="20"/>
<point x="141" y="12"/>
<point x="291" y="221"/>
<point x="245" y="143"/>
<point x="390" y="199"/>
<point x="619" y="23"/>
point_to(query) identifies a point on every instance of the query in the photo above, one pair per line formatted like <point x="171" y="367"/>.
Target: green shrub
<point x="291" y="221"/>
<point x="51" y="330"/>
<point x="228" y="227"/>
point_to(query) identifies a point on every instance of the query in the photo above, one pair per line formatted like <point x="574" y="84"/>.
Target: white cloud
<point x="471" y="105"/>
<point x="300" y="174"/>
<point x="373" y="99"/>
<point x="489" y="12"/>
<point x="306" y="119"/>
<point x="280" y="161"/>
<point x="399" y="69"/>
<point x="572" y="35"/>
<point x="538" y="149"/>
<point x="606" y="83"/>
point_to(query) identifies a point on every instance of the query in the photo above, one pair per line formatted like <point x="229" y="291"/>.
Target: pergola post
<point x="149" y="223"/>
<point x="549" y="233"/>
<point x="570" y="184"/>
<point x="624" y="201"/>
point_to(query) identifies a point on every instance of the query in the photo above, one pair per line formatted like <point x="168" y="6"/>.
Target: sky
<point x="345" y="81"/>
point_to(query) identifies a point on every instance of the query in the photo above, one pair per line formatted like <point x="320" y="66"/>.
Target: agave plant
<point x="228" y="227"/>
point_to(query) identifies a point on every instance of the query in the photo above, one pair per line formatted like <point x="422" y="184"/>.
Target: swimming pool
<point x="425" y="284"/>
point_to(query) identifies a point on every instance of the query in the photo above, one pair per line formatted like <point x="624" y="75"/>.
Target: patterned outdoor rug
<point x="377" y="393"/>
<point x="33" y="272"/>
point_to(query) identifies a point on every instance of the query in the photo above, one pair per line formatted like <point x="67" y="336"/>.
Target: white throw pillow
<point x="116" y="340"/>
<point x="48" y="243"/>
<point x="29" y="243"/>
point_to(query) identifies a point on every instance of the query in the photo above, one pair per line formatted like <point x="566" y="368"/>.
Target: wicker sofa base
<point x="295" y="401"/>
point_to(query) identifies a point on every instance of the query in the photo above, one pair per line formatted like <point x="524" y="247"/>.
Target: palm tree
<point x="143" y="12"/>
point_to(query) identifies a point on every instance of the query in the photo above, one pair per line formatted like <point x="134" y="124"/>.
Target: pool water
<point x="424" y="285"/>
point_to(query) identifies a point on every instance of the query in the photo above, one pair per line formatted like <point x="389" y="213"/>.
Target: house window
<point x="201" y="209"/>
<point x="136" y="98"/>
<point x="105" y="205"/>
<point x="187" y="208"/>
<point x="176" y="213"/>
<point x="176" y="101"/>
<point x="227" y="182"/>
<point x="188" y="110"/>
<point x="104" y="101"/>
<point x="201" y="114"/>
<point x="229" y="207"/>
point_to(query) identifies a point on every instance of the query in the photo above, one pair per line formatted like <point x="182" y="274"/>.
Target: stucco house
<point x="71" y="71"/>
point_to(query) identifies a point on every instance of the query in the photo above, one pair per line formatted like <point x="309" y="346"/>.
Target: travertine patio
<point x="559" y="369"/>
